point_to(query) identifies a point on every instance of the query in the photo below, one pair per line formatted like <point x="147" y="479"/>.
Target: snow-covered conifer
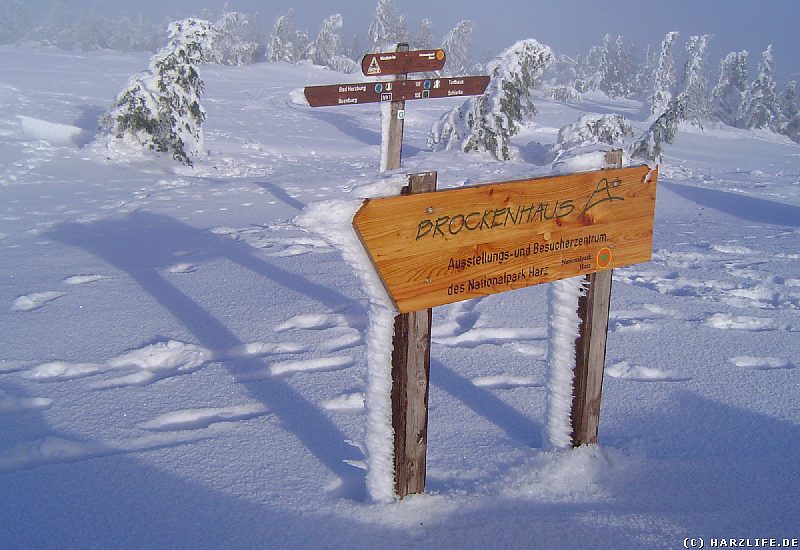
<point x="287" y="43"/>
<point x="424" y="38"/>
<point x="664" y="77"/>
<point x="762" y="106"/>
<point x="729" y="93"/>
<point x="791" y="112"/>
<point x="457" y="44"/>
<point x="160" y="108"/>
<point x="235" y="41"/>
<point x="386" y="29"/>
<point x="689" y="105"/>
<point x="695" y="79"/>
<point x="487" y="122"/>
<point x="616" y="70"/>
<point x="588" y="75"/>
<point x="328" y="43"/>
<point x="591" y="129"/>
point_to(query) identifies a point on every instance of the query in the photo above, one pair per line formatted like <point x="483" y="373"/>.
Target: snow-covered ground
<point x="183" y="365"/>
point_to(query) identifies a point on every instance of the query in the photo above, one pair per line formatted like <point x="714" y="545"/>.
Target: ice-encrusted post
<point x="411" y="365"/>
<point x="579" y="309"/>
<point x="392" y="127"/>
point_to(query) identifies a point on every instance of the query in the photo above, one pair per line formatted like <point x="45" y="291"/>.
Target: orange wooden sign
<point x="436" y="248"/>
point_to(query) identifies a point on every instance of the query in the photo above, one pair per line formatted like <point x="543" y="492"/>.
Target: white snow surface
<point x="184" y="352"/>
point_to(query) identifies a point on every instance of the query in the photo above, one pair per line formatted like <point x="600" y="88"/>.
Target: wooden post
<point x="411" y="364"/>
<point x="590" y="347"/>
<point x="394" y="144"/>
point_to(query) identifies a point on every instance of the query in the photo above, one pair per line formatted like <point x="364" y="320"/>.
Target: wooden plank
<point x="411" y="360"/>
<point x="590" y="348"/>
<point x="457" y="244"/>
<point x="394" y="90"/>
<point x="402" y="62"/>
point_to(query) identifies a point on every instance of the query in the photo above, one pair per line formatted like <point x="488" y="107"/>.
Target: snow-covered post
<point x="411" y="366"/>
<point x="392" y="127"/>
<point x="578" y="329"/>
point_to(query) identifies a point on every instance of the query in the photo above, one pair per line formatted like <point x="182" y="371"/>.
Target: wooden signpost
<point x="437" y="248"/>
<point x="433" y="248"/>
<point x="412" y="329"/>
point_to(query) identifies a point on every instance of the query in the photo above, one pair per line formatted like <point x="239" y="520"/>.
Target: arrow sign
<point x="377" y="64"/>
<point x="436" y="248"/>
<point x="395" y="90"/>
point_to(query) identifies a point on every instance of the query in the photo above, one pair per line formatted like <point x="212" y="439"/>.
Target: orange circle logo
<point x="439" y="54"/>
<point x="604" y="258"/>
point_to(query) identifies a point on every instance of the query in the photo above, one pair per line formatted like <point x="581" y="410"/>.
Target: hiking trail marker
<point x="397" y="91"/>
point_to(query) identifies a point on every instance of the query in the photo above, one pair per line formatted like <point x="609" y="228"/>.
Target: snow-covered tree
<point x="791" y="112"/>
<point x="665" y="76"/>
<point x="616" y="72"/>
<point x="689" y="105"/>
<point x="386" y="29"/>
<point x="591" y="129"/>
<point x="17" y="17"/>
<point x="487" y="122"/>
<point x="326" y="49"/>
<point x="695" y="79"/>
<point x="729" y="93"/>
<point x="457" y="44"/>
<point x="762" y="106"/>
<point x="236" y="41"/>
<point x="287" y="43"/>
<point x="424" y="38"/>
<point x="588" y="75"/>
<point x="160" y="108"/>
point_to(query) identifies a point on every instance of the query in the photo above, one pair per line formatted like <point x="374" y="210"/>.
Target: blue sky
<point x="568" y="26"/>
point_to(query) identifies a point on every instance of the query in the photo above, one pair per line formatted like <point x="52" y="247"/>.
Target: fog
<point x="569" y="26"/>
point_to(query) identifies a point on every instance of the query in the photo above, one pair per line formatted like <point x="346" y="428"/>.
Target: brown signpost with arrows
<point x="412" y="331"/>
<point x="395" y="90"/>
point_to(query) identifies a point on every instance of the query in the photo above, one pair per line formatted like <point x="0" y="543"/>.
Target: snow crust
<point x="208" y="354"/>
<point x="563" y="330"/>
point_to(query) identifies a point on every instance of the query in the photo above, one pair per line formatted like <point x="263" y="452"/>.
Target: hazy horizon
<point x="570" y="27"/>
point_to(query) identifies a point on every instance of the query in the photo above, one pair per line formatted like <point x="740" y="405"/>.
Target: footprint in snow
<point x="182" y="268"/>
<point x="637" y="319"/>
<point x="30" y="302"/>
<point x="625" y="370"/>
<point x="496" y="336"/>
<point x="84" y="279"/>
<point x="343" y="335"/>
<point x="197" y="419"/>
<point x="760" y="363"/>
<point x="14" y="404"/>
<point x="727" y="321"/>
<point x="346" y="403"/>
<point x="288" y="368"/>
<point x="505" y="382"/>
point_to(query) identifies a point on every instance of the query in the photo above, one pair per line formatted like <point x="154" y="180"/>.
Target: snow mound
<point x="54" y="133"/>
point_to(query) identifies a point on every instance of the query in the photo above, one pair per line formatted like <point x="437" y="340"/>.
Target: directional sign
<point x="417" y="61"/>
<point x="436" y="248"/>
<point x="395" y="90"/>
